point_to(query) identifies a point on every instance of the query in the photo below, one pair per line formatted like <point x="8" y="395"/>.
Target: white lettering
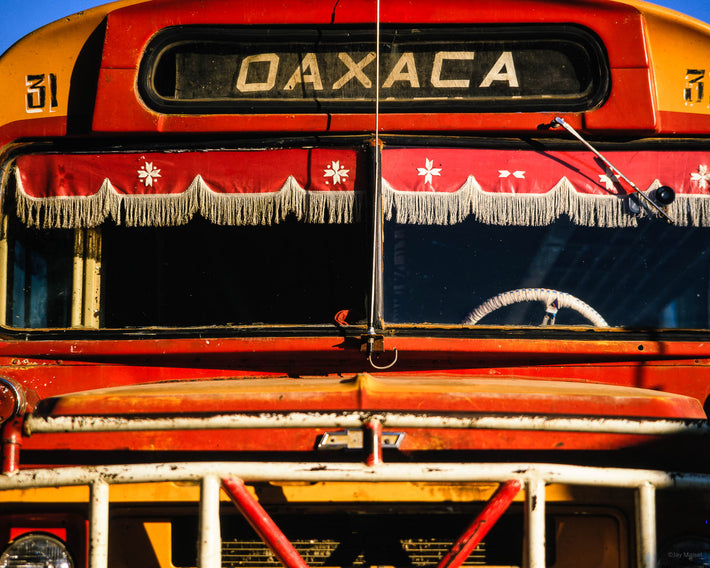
<point x="398" y="73"/>
<point x="272" y="59"/>
<point x="355" y="70"/>
<point x="439" y="59"/>
<point x="306" y="72"/>
<point x="505" y="61"/>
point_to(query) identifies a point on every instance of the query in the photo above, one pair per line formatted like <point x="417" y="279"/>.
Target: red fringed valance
<point x="164" y="189"/>
<point x="428" y="186"/>
<point x="529" y="188"/>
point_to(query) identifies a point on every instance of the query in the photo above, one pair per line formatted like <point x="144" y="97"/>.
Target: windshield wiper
<point x="669" y="195"/>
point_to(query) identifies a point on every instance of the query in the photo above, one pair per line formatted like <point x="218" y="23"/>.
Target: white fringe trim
<point x="413" y="207"/>
<point x="534" y="209"/>
<point x="166" y="210"/>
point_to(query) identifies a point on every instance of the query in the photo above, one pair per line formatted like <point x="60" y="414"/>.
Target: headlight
<point x="36" y="550"/>
<point x="11" y="399"/>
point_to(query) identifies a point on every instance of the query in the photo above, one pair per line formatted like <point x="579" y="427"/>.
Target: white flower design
<point x="429" y="171"/>
<point x="520" y="174"/>
<point x="336" y="172"/>
<point x="609" y="180"/>
<point x="148" y="173"/>
<point x="702" y="176"/>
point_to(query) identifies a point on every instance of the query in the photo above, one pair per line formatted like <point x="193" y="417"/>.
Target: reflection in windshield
<point x="654" y="275"/>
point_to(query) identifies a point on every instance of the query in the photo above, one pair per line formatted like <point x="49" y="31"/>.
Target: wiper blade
<point x="612" y="168"/>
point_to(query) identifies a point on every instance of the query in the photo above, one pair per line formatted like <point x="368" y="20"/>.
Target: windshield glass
<point x="515" y="236"/>
<point x="203" y="274"/>
<point x="654" y="275"/>
<point x="199" y="274"/>
<point x="184" y="239"/>
<point x="548" y="235"/>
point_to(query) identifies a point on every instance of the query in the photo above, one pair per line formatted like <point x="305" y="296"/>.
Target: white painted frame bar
<point x="210" y="543"/>
<point x="99" y="521"/>
<point x="535" y="523"/>
<point x="533" y="476"/>
<point x="646" y="526"/>
<point x="638" y="426"/>
<point x="357" y="472"/>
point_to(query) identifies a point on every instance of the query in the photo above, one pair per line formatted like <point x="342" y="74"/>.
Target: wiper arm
<point x="611" y="167"/>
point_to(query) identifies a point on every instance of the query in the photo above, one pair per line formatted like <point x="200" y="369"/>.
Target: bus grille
<point x="255" y="554"/>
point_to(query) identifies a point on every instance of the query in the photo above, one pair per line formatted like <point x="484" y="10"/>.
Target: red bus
<point x="410" y="285"/>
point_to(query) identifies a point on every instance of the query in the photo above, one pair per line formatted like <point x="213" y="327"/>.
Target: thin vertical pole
<point x="210" y="543"/>
<point x="646" y="526"/>
<point x="77" y="298"/>
<point x="98" y="532"/>
<point x="92" y="278"/>
<point x="376" y="213"/>
<point x="535" y="524"/>
<point x="4" y="268"/>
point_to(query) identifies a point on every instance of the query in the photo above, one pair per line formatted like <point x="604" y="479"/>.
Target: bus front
<point x="356" y="284"/>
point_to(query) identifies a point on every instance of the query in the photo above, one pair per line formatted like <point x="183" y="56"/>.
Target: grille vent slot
<point x="255" y="554"/>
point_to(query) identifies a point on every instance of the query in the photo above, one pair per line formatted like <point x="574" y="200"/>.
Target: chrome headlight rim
<point x="47" y="550"/>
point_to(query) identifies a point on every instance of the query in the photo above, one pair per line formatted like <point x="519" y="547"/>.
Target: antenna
<point x="371" y="337"/>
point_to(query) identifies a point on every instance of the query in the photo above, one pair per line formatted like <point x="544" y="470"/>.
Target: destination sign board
<point x="300" y="70"/>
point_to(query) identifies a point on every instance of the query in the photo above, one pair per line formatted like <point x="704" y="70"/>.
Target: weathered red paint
<point x="129" y="30"/>
<point x="369" y="393"/>
<point x="482" y="524"/>
<point x="11" y="444"/>
<point x="304" y="440"/>
<point x="373" y="435"/>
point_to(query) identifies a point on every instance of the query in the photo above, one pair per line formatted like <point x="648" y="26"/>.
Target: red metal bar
<point x="11" y="442"/>
<point x="373" y="442"/>
<point x="262" y="523"/>
<point x="479" y="528"/>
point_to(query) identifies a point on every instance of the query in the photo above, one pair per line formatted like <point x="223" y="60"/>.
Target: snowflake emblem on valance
<point x="336" y="171"/>
<point x="702" y="176"/>
<point x="429" y="171"/>
<point x="148" y="173"/>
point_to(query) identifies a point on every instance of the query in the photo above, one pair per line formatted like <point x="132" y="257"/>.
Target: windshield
<point x="202" y="274"/>
<point x="520" y="235"/>
<point x="653" y="275"/>
<point x="532" y="234"/>
<point x="185" y="239"/>
<point x="199" y="274"/>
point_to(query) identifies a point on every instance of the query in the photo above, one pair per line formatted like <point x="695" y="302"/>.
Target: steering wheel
<point x="552" y="299"/>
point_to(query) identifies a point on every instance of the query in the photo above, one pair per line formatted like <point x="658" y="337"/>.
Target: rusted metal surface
<point x="374" y="393"/>
<point x="301" y="431"/>
<point x="483" y="523"/>
<point x="55" y="368"/>
<point x="357" y="472"/>
<point x="635" y="426"/>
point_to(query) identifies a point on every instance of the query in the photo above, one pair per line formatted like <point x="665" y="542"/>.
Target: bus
<point x="356" y="283"/>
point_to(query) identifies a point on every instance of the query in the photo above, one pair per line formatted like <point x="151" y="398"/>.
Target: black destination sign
<point x="420" y="70"/>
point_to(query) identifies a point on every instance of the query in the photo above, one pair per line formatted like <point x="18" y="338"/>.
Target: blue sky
<point x="20" y="17"/>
